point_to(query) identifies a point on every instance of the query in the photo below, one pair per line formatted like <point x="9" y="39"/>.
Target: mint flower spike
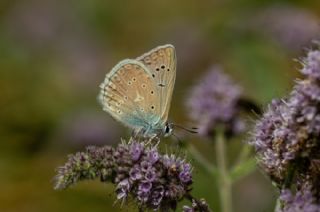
<point x="286" y="136"/>
<point x="218" y="101"/>
<point x="286" y="140"/>
<point x="302" y="200"/>
<point x="140" y="173"/>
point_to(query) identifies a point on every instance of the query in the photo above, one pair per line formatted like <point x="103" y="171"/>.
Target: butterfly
<point x="137" y="92"/>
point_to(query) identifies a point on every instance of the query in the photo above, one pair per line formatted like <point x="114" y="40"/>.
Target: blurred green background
<point x="54" y="55"/>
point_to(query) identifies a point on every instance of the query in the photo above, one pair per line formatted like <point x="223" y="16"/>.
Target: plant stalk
<point x="210" y="168"/>
<point x="224" y="178"/>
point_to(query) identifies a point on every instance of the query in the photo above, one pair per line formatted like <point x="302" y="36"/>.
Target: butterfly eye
<point x="167" y="130"/>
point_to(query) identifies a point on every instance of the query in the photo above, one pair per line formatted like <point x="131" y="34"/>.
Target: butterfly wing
<point x="128" y="94"/>
<point x="161" y="62"/>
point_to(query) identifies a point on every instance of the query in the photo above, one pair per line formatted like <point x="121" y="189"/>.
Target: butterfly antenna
<point x="192" y="130"/>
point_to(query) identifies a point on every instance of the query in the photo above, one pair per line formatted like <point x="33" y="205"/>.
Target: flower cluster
<point x="141" y="173"/>
<point x="288" y="133"/>
<point x="287" y="137"/>
<point x="302" y="200"/>
<point x="214" y="101"/>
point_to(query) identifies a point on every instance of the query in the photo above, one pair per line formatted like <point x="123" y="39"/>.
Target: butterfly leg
<point x="154" y="137"/>
<point x="136" y="134"/>
<point x="157" y="140"/>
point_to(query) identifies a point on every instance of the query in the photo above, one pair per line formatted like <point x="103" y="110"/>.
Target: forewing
<point x="161" y="62"/>
<point x="129" y="94"/>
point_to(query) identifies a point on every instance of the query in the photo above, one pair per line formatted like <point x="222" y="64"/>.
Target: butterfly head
<point x="168" y="130"/>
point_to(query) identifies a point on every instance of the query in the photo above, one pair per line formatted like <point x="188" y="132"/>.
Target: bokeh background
<point x="54" y="54"/>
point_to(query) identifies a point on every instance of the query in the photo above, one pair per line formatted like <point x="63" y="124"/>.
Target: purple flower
<point x="123" y="189"/>
<point x="145" y="187"/>
<point x="186" y="167"/>
<point x="145" y="166"/>
<point x="174" y="190"/>
<point x="185" y="177"/>
<point x="286" y="137"/>
<point x="152" y="156"/>
<point x="214" y="101"/>
<point x="185" y="173"/>
<point x="312" y="65"/>
<point x="154" y="180"/>
<point x="171" y="162"/>
<point x="136" y="150"/>
<point x="135" y="173"/>
<point x="150" y="175"/>
<point x="302" y="200"/>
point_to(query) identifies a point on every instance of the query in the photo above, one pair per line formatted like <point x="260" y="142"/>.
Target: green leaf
<point x="243" y="169"/>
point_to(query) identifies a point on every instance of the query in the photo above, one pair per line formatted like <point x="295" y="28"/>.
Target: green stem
<point x="278" y="205"/>
<point x="203" y="161"/>
<point x="224" y="178"/>
<point x="243" y="169"/>
<point x="290" y="175"/>
<point x="244" y="153"/>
